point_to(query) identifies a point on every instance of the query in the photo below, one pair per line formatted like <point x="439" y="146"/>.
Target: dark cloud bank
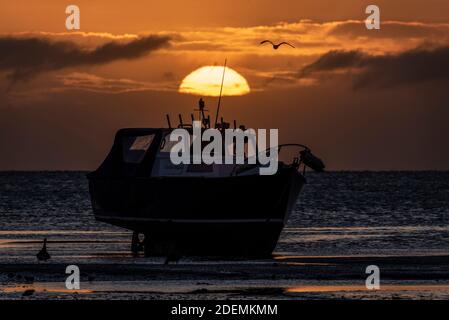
<point x="413" y="66"/>
<point x="23" y="58"/>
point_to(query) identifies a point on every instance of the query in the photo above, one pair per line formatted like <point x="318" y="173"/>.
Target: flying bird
<point x="276" y="46"/>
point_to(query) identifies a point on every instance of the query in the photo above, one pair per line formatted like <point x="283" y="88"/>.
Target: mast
<point x="221" y="91"/>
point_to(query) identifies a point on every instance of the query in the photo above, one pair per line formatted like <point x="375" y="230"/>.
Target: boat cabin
<point x="146" y="153"/>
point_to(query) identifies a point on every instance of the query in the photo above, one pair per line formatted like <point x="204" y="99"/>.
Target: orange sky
<point x="141" y="15"/>
<point x="363" y="100"/>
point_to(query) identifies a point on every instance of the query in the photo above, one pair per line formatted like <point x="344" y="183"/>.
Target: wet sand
<point x="342" y="222"/>
<point x="283" y="277"/>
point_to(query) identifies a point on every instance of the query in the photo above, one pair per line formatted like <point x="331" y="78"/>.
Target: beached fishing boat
<point x="197" y="208"/>
<point x="194" y="209"/>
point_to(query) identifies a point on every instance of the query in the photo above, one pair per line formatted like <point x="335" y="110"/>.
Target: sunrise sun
<point x="206" y="81"/>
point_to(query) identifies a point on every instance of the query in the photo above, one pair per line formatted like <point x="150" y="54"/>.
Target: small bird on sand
<point x="43" y="255"/>
<point x="276" y="46"/>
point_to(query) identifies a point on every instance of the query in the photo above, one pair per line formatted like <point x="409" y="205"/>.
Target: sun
<point x="206" y="81"/>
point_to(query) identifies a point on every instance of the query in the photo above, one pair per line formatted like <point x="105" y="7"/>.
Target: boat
<point x="214" y="209"/>
<point x="194" y="209"/>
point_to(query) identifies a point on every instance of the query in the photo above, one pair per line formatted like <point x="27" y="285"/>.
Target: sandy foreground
<point x="283" y="277"/>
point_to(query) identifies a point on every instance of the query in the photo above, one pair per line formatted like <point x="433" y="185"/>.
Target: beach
<point x="417" y="277"/>
<point x="343" y="223"/>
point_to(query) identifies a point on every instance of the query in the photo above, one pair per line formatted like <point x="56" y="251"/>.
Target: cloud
<point x="387" y="70"/>
<point x="94" y="83"/>
<point x="75" y="34"/>
<point x="312" y="37"/>
<point x="192" y="48"/>
<point x="391" y="29"/>
<point x="334" y="60"/>
<point x="23" y="58"/>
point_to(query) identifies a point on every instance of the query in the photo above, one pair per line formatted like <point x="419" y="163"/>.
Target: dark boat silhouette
<point x="194" y="209"/>
<point x="215" y="210"/>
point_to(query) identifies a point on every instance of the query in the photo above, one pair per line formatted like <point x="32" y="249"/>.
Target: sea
<point x="338" y="214"/>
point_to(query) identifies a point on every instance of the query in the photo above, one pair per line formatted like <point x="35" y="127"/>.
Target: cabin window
<point x="167" y="145"/>
<point x="135" y="147"/>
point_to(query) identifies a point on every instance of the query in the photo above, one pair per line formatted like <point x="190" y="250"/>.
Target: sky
<point x="361" y="99"/>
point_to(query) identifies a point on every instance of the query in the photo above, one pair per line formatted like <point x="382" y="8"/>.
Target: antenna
<point x="168" y="120"/>
<point x="221" y="91"/>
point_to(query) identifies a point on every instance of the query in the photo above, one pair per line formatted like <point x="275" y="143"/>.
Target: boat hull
<point x="232" y="216"/>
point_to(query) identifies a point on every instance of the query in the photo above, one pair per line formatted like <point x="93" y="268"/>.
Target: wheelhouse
<point x="146" y="153"/>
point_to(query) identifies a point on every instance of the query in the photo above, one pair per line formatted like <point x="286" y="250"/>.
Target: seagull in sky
<point x="276" y="46"/>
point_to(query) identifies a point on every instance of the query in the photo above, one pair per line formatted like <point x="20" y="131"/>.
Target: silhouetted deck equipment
<point x="214" y="210"/>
